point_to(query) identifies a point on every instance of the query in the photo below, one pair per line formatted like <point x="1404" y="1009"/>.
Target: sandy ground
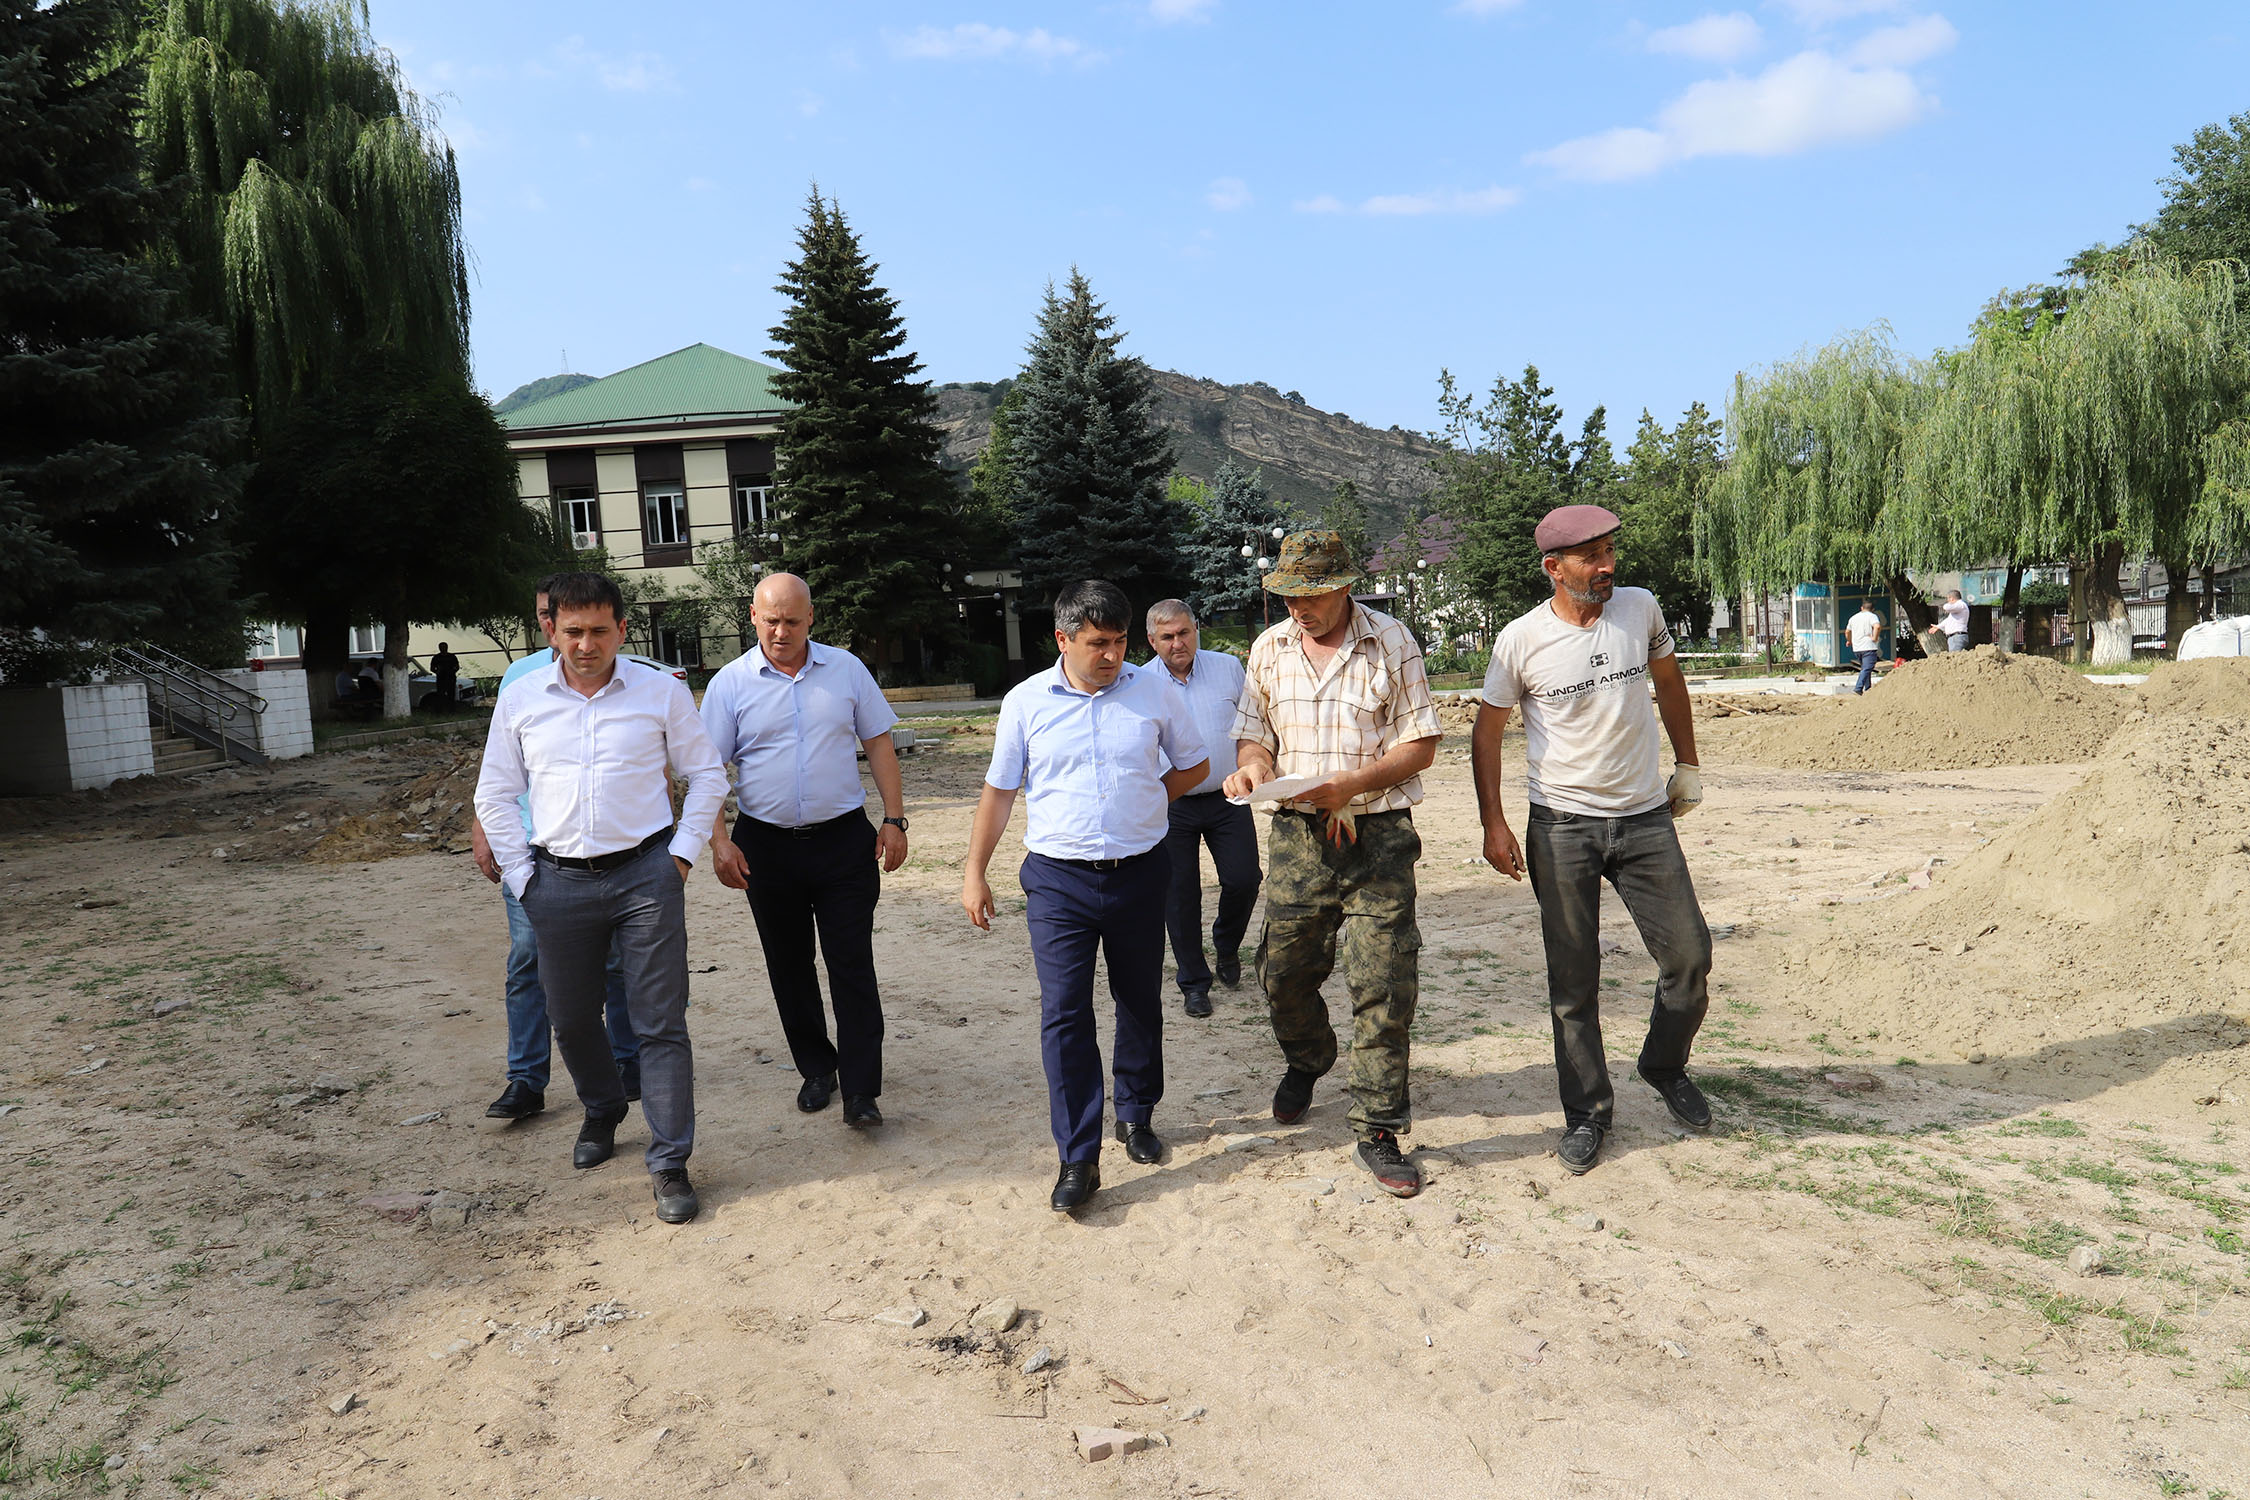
<point x="1853" y="1286"/>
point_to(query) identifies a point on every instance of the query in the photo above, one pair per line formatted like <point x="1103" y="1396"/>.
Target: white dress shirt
<point x="598" y="768"/>
<point x="1212" y="689"/>
<point x="794" y="740"/>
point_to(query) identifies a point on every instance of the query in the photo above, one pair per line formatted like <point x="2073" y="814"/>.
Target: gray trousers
<point x="643" y="905"/>
<point x="1570" y="855"/>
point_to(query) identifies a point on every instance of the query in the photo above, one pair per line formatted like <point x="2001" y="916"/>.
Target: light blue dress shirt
<point x="1091" y="765"/>
<point x="1213" y="687"/>
<point x="794" y="741"/>
<point x="520" y="668"/>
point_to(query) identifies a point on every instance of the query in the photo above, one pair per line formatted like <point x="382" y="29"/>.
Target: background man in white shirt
<point x="792" y="716"/>
<point x="1866" y="632"/>
<point x="1953" y="619"/>
<point x="596" y="741"/>
<point x="1581" y="665"/>
<point x="1211" y="684"/>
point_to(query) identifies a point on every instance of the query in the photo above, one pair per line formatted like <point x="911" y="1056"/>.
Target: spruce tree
<point x="1240" y="514"/>
<point x="1089" y="460"/>
<point x="867" y="515"/>
<point x="1505" y="463"/>
<point x="117" y="480"/>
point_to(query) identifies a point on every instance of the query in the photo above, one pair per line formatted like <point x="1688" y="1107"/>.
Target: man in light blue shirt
<point x="1211" y="684"/>
<point x="530" y="1039"/>
<point x="1099" y="748"/>
<point x="791" y="718"/>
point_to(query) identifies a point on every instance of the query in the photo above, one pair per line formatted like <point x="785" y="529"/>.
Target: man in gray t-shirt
<point x="1581" y="666"/>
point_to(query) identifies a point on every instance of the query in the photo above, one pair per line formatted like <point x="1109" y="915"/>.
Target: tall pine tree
<point x="1089" y="462"/>
<point x="116" y="477"/>
<point x="1504" y="464"/>
<point x="867" y="515"/>
<point x="1240" y="514"/>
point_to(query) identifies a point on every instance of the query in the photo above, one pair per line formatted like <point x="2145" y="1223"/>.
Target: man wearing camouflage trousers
<point x="1337" y="692"/>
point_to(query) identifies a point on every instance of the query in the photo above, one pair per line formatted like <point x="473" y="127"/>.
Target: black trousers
<point x="1196" y="821"/>
<point x="820" y="879"/>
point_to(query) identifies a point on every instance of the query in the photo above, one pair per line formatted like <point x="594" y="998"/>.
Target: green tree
<point x="1593" y="463"/>
<point x="2206" y="212"/>
<point x="117" y="475"/>
<point x="1090" y="463"/>
<point x="394" y="489"/>
<point x="1503" y="463"/>
<point x="1240" y="514"/>
<point x="1666" y="478"/>
<point x="1346" y="514"/>
<point x="868" y="516"/>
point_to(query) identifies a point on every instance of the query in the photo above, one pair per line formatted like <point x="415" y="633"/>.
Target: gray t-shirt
<point x="1589" y="725"/>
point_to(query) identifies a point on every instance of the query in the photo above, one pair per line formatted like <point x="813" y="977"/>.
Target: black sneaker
<point x="814" y="1096"/>
<point x="1394" y="1174"/>
<point x="1198" y="1004"/>
<point x="1686" y="1102"/>
<point x="1579" y="1147"/>
<point x="1293" y="1097"/>
<point x="676" y="1202"/>
<point x="518" y="1101"/>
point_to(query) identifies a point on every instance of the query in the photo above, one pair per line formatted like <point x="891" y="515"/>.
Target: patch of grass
<point x="2045" y="1123"/>
<point x="2146" y="1335"/>
<point x="2098" y="1172"/>
<point x="2049" y="1239"/>
<point x="189" y="1478"/>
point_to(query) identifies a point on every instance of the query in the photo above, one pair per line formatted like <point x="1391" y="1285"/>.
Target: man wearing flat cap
<point x="1337" y="693"/>
<point x="1581" y="666"/>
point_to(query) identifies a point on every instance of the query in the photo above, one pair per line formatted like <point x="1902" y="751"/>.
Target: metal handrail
<point x="195" y="701"/>
<point x="157" y="656"/>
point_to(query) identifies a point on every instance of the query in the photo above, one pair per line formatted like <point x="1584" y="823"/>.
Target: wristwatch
<point x="898" y="823"/>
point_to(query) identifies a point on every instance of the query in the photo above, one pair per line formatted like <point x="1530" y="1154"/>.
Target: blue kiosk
<point x="1818" y="612"/>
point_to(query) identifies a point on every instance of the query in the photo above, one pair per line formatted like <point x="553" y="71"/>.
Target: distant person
<point x="446" y="668"/>
<point x="596" y="742"/>
<point x="1211" y="684"/>
<point x="1087" y="742"/>
<point x="1582" y="666"/>
<point x="369" y="683"/>
<point x="1953" y="619"/>
<point x="1866" y="632"/>
<point x="792" y="716"/>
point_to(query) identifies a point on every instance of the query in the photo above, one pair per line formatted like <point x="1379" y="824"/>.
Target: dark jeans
<point x="1072" y="910"/>
<point x="820" y="879"/>
<point x="642" y="907"/>
<point x="1866" y="671"/>
<point x="1570" y="855"/>
<point x="530" y="1048"/>
<point x="1196" y="821"/>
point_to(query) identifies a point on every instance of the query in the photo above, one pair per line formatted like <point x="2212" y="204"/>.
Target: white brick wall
<point x="106" y="733"/>
<point x="284" y="730"/>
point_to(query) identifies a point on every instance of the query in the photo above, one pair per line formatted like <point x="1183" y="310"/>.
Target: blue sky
<point x="1642" y="198"/>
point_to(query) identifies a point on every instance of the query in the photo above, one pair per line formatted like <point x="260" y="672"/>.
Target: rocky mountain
<point x="1305" y="452"/>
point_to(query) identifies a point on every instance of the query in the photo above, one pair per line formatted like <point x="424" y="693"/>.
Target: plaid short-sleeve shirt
<point x="1372" y="696"/>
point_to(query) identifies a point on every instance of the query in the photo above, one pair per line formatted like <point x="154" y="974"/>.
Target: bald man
<point x="790" y="718"/>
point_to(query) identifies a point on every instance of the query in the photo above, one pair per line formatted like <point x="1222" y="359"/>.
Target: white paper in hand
<point x="1280" y="789"/>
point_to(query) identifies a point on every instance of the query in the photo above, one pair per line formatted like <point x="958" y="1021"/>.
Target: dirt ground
<point x="241" y="1066"/>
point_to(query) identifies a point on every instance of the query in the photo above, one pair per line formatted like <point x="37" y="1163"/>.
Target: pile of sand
<point x="2217" y="687"/>
<point x="1752" y="705"/>
<point x="431" y="812"/>
<point x="1950" y="712"/>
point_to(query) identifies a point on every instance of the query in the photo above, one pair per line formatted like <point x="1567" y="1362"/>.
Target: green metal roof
<point x="698" y="381"/>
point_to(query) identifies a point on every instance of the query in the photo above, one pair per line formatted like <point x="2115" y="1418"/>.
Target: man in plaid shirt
<point x="1337" y="692"/>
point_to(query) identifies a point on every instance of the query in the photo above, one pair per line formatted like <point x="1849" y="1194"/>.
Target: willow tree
<point x="1818" y="454"/>
<point x="2115" y="432"/>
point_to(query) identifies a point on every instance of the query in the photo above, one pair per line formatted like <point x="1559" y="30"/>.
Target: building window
<point x="679" y="645"/>
<point x="664" y="514"/>
<point x="578" y="511"/>
<point x="367" y="640"/>
<point x="753" y="504"/>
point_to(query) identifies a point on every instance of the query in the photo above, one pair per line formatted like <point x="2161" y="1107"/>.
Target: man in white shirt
<point x="596" y="743"/>
<point x="1210" y="682"/>
<point x="1581" y="666"/>
<point x="1865" y="631"/>
<point x="1953" y="619"/>
<point x="792" y="717"/>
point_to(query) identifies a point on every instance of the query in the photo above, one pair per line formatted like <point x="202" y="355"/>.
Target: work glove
<point x="1342" y="827"/>
<point x="1684" y="790"/>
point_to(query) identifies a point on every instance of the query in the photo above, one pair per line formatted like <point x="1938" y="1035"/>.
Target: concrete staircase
<point x="178" y="753"/>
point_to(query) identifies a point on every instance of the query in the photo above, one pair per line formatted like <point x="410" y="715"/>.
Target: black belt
<point x="1105" y="864"/>
<point x="802" y="830"/>
<point x="607" y="861"/>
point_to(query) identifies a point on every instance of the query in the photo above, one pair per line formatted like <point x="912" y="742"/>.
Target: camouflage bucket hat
<point x="1314" y="562"/>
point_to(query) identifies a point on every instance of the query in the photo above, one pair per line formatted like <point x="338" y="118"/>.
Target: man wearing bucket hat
<point x="1337" y="693"/>
<point x="1581" y="665"/>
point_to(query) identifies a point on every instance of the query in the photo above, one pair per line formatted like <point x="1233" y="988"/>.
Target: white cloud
<point x="1412" y="205"/>
<point x="1712" y="38"/>
<point x="1168" y="12"/>
<point x="1806" y="101"/>
<point x="632" y="73"/>
<point x="1823" y="12"/>
<point x="974" y="40"/>
<point x="1906" y="44"/>
<point x="1226" y="194"/>
<point x="1484" y="7"/>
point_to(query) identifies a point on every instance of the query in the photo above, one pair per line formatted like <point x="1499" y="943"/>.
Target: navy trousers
<point x="1075" y="909"/>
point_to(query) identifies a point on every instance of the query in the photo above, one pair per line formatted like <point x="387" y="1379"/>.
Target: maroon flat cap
<point x="1573" y="526"/>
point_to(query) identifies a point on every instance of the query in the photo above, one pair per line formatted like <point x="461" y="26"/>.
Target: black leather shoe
<point x="1074" y="1184"/>
<point x="1686" y="1102"/>
<point x="1198" y="1004"/>
<point x="1141" y="1143"/>
<point x="676" y="1202"/>
<point x="597" y="1141"/>
<point x="814" y="1096"/>
<point x="860" y="1112"/>
<point x="1580" y="1147"/>
<point x="1229" y="970"/>
<point x="518" y="1101"/>
<point x="1293" y="1098"/>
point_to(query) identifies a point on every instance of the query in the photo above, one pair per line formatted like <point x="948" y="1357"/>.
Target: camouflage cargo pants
<point x="1358" y="899"/>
